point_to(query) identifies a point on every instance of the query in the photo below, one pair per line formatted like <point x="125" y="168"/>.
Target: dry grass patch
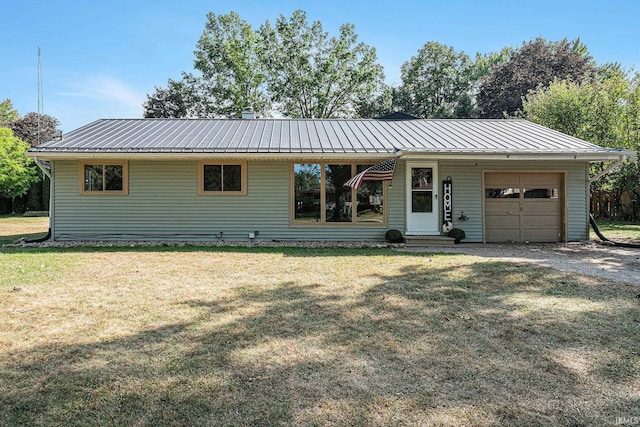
<point x="12" y="227"/>
<point x="312" y="337"/>
<point x="619" y="231"/>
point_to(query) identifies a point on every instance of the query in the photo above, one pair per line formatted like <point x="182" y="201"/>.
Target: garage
<point x="524" y="206"/>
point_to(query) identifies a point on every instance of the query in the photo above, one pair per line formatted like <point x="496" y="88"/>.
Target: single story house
<point x="283" y="179"/>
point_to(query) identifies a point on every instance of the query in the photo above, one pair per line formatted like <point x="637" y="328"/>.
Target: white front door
<point x="422" y="198"/>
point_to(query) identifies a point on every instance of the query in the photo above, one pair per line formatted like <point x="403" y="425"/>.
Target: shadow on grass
<point x="10" y="239"/>
<point x="285" y="251"/>
<point x="484" y="344"/>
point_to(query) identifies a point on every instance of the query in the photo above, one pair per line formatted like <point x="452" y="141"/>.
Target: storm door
<point x="422" y="198"/>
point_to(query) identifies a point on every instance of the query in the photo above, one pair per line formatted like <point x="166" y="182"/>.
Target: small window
<point x="103" y="178"/>
<point x="541" y="193"/>
<point x="502" y="193"/>
<point x="222" y="178"/>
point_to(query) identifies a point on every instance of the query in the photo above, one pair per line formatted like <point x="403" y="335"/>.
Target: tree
<point x="436" y="83"/>
<point x="35" y="128"/>
<point x="314" y="75"/>
<point x="381" y="103"/>
<point x="484" y="63"/>
<point x="170" y="102"/>
<point x="16" y="170"/>
<point x="605" y="112"/>
<point x="228" y="56"/>
<point x="7" y="113"/>
<point x="294" y="64"/>
<point x="535" y="64"/>
<point x="27" y="129"/>
<point x="229" y="76"/>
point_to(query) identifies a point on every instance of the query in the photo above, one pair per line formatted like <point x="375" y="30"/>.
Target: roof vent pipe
<point x="248" y="114"/>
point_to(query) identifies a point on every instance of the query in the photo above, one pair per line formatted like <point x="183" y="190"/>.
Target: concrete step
<point x="429" y="240"/>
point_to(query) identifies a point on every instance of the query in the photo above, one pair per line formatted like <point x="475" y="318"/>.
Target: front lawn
<point x="311" y="337"/>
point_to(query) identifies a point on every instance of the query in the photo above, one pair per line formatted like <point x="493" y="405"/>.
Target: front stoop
<point x="428" y="241"/>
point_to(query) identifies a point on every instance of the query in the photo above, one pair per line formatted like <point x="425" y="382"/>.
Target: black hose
<point x="40" y="239"/>
<point x="592" y="221"/>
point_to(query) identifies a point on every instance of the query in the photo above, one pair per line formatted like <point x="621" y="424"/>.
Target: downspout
<point x="49" y="174"/>
<point x="612" y="168"/>
<point x="592" y="220"/>
<point x="609" y="242"/>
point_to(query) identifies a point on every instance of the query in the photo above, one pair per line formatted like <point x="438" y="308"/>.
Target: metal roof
<point x="316" y="136"/>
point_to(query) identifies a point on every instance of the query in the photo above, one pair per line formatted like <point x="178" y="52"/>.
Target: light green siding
<point x="467" y="192"/>
<point x="163" y="203"/>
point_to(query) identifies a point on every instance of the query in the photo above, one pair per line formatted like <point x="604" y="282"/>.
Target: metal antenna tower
<point x="40" y="96"/>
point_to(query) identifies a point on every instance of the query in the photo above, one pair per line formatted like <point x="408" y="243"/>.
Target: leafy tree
<point x="228" y="56"/>
<point x="28" y="129"/>
<point x="535" y="64"/>
<point x="436" y="83"/>
<point x="484" y="63"/>
<point x="229" y="75"/>
<point x="314" y="75"/>
<point x="170" y="102"/>
<point x="16" y="170"/>
<point x="381" y="103"/>
<point x="7" y="113"/>
<point x="604" y="112"/>
<point x="294" y="64"/>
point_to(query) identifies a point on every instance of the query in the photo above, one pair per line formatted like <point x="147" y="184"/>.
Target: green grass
<point x="194" y="336"/>
<point x="619" y="231"/>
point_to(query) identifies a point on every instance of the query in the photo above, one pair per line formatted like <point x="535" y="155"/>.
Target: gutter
<point x="167" y="155"/>
<point x="48" y="172"/>
<point x="401" y="153"/>
<point x="42" y="166"/>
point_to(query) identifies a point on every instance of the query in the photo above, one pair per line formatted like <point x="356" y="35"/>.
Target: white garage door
<point x="523" y="207"/>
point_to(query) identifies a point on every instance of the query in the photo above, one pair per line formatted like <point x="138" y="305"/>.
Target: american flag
<point x="383" y="171"/>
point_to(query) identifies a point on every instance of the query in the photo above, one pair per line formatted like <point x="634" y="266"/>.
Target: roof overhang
<point x="595" y="156"/>
<point x="598" y="156"/>
<point x="160" y="156"/>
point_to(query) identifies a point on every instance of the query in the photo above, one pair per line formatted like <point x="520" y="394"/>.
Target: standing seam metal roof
<point x="319" y="136"/>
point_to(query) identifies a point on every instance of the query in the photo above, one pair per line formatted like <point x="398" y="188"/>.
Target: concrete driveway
<point x="589" y="258"/>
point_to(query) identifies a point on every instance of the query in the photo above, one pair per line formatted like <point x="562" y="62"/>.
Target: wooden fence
<point x="613" y="204"/>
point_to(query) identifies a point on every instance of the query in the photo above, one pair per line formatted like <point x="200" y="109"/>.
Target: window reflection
<point x="307" y="192"/>
<point x="422" y="201"/>
<point x="370" y="202"/>
<point x="502" y="193"/>
<point x="337" y="196"/>
<point x="93" y="178"/>
<point x="541" y="193"/>
<point x="113" y="177"/>
<point x="104" y="177"/>
<point x="319" y="195"/>
<point x="422" y="178"/>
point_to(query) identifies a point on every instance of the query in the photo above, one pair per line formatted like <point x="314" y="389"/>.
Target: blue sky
<point x="100" y="58"/>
